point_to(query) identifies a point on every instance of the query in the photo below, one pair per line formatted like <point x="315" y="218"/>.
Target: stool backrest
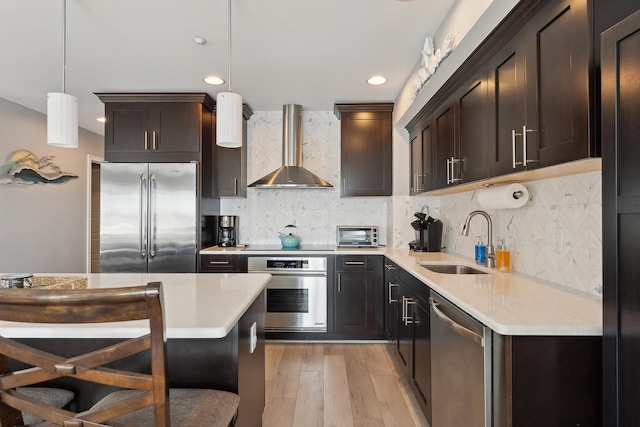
<point x="85" y="306"/>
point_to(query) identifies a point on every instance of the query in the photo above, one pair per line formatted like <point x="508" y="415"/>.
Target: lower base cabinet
<point x="547" y="381"/>
<point x="413" y="336"/>
<point x="535" y="380"/>
<point x="358" y="296"/>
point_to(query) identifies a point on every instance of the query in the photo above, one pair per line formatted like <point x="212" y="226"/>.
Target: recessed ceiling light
<point x="101" y="119"/>
<point x="377" y="80"/>
<point x="213" y="80"/>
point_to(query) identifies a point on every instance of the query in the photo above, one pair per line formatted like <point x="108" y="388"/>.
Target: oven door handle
<point x="292" y="273"/>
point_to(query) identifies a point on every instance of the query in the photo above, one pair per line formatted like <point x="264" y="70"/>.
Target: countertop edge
<point x="218" y="329"/>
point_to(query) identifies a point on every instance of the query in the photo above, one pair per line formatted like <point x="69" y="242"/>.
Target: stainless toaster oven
<point x="357" y="236"/>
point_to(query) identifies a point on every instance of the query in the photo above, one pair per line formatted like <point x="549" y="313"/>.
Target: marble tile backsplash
<point x="571" y="203"/>
<point x="315" y="212"/>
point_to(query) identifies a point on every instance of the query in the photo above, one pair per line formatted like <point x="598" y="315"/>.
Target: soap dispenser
<point x="503" y="257"/>
<point x="481" y="251"/>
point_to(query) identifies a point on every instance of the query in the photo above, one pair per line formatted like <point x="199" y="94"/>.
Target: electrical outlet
<point x="557" y="240"/>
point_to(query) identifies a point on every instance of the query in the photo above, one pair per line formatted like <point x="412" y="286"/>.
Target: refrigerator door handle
<point x="152" y="216"/>
<point x="142" y="246"/>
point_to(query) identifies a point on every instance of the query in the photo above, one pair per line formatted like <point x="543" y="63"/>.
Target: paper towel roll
<point x="504" y="197"/>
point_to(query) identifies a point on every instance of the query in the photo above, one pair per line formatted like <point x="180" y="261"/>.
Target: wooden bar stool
<point x="144" y="399"/>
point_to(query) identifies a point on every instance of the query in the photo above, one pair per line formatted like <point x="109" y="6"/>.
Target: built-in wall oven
<point x="296" y="294"/>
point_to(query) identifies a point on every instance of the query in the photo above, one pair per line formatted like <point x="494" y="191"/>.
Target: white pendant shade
<point x="62" y="120"/>
<point x="229" y="120"/>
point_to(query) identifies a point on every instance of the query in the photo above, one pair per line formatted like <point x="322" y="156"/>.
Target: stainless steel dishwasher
<point x="460" y="367"/>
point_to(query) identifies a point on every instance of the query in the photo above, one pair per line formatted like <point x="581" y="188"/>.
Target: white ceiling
<point x="309" y="52"/>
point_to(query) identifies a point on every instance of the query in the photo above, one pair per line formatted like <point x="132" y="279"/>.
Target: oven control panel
<point x="309" y="265"/>
<point x="288" y="263"/>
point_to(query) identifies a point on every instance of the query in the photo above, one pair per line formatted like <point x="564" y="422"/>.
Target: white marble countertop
<point x="196" y="306"/>
<point x="508" y="303"/>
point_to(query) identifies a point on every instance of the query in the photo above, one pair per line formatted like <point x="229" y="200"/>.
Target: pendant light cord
<point x="64" y="44"/>
<point x="229" y="27"/>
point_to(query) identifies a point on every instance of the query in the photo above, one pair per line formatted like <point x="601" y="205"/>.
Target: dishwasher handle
<point x="459" y="329"/>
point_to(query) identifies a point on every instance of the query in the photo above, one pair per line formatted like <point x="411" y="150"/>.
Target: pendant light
<point x="229" y="111"/>
<point x="62" y="109"/>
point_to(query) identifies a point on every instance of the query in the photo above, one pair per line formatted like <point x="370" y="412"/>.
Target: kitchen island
<point x="215" y="335"/>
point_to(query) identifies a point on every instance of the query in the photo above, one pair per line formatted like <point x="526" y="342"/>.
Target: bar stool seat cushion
<point x="188" y="407"/>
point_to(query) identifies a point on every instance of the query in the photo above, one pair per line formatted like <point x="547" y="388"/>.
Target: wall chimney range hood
<point x="291" y="174"/>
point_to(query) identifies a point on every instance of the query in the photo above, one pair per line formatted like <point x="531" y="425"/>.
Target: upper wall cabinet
<point x="521" y="102"/>
<point x="558" y="45"/>
<point x="365" y="149"/>
<point x="157" y="127"/>
<point x="231" y="170"/>
<point x="506" y="78"/>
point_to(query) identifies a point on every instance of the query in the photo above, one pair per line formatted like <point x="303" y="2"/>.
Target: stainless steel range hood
<point x="291" y="174"/>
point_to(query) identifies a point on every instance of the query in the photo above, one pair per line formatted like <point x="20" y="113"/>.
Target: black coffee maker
<point x="227" y="230"/>
<point x="428" y="234"/>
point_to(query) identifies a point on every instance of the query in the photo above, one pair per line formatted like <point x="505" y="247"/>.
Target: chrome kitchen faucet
<point x="491" y="254"/>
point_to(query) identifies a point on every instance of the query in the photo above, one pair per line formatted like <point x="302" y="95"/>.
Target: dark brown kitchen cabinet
<point x="422" y="160"/>
<point x="506" y="77"/>
<point x="539" y="100"/>
<point x="156" y="127"/>
<point x="231" y="165"/>
<point x="445" y="167"/>
<point x="413" y="341"/>
<point x="404" y="337"/>
<point x="390" y="300"/>
<point x="365" y="149"/>
<point x="523" y="100"/>
<point x="558" y="48"/>
<point x="450" y="147"/>
<point x="421" y="355"/>
<point x="620" y="62"/>
<point x="548" y="381"/>
<point x="214" y="263"/>
<point x="472" y="133"/>
<point x="358" y="296"/>
<point x="416" y="185"/>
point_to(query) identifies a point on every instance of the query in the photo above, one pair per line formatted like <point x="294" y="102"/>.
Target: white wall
<point x="43" y="226"/>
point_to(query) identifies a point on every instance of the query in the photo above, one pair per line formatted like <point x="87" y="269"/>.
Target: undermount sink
<point x="452" y="269"/>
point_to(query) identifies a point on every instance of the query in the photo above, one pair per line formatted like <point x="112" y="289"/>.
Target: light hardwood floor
<point x="336" y="385"/>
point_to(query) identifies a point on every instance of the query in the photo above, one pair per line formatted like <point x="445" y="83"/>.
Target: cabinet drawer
<point x="391" y="270"/>
<point x="357" y="262"/>
<point x="223" y="264"/>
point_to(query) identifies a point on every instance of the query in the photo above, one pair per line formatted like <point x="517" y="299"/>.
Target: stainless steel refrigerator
<point x="148" y="217"/>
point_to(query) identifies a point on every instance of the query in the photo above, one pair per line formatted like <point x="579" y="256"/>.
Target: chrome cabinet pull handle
<point x="339" y="282"/>
<point x="146" y="140"/>
<point x="448" y="172"/>
<point x="392" y="285"/>
<point x="219" y="263"/>
<point x="405" y="310"/>
<point x="154" y="137"/>
<point x="513" y="147"/>
<point x="452" y="163"/>
<point x="354" y="262"/>
<point x="389" y="267"/>
<point x="524" y="146"/>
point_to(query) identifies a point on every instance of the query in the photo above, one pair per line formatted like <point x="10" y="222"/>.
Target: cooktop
<point x="280" y="248"/>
